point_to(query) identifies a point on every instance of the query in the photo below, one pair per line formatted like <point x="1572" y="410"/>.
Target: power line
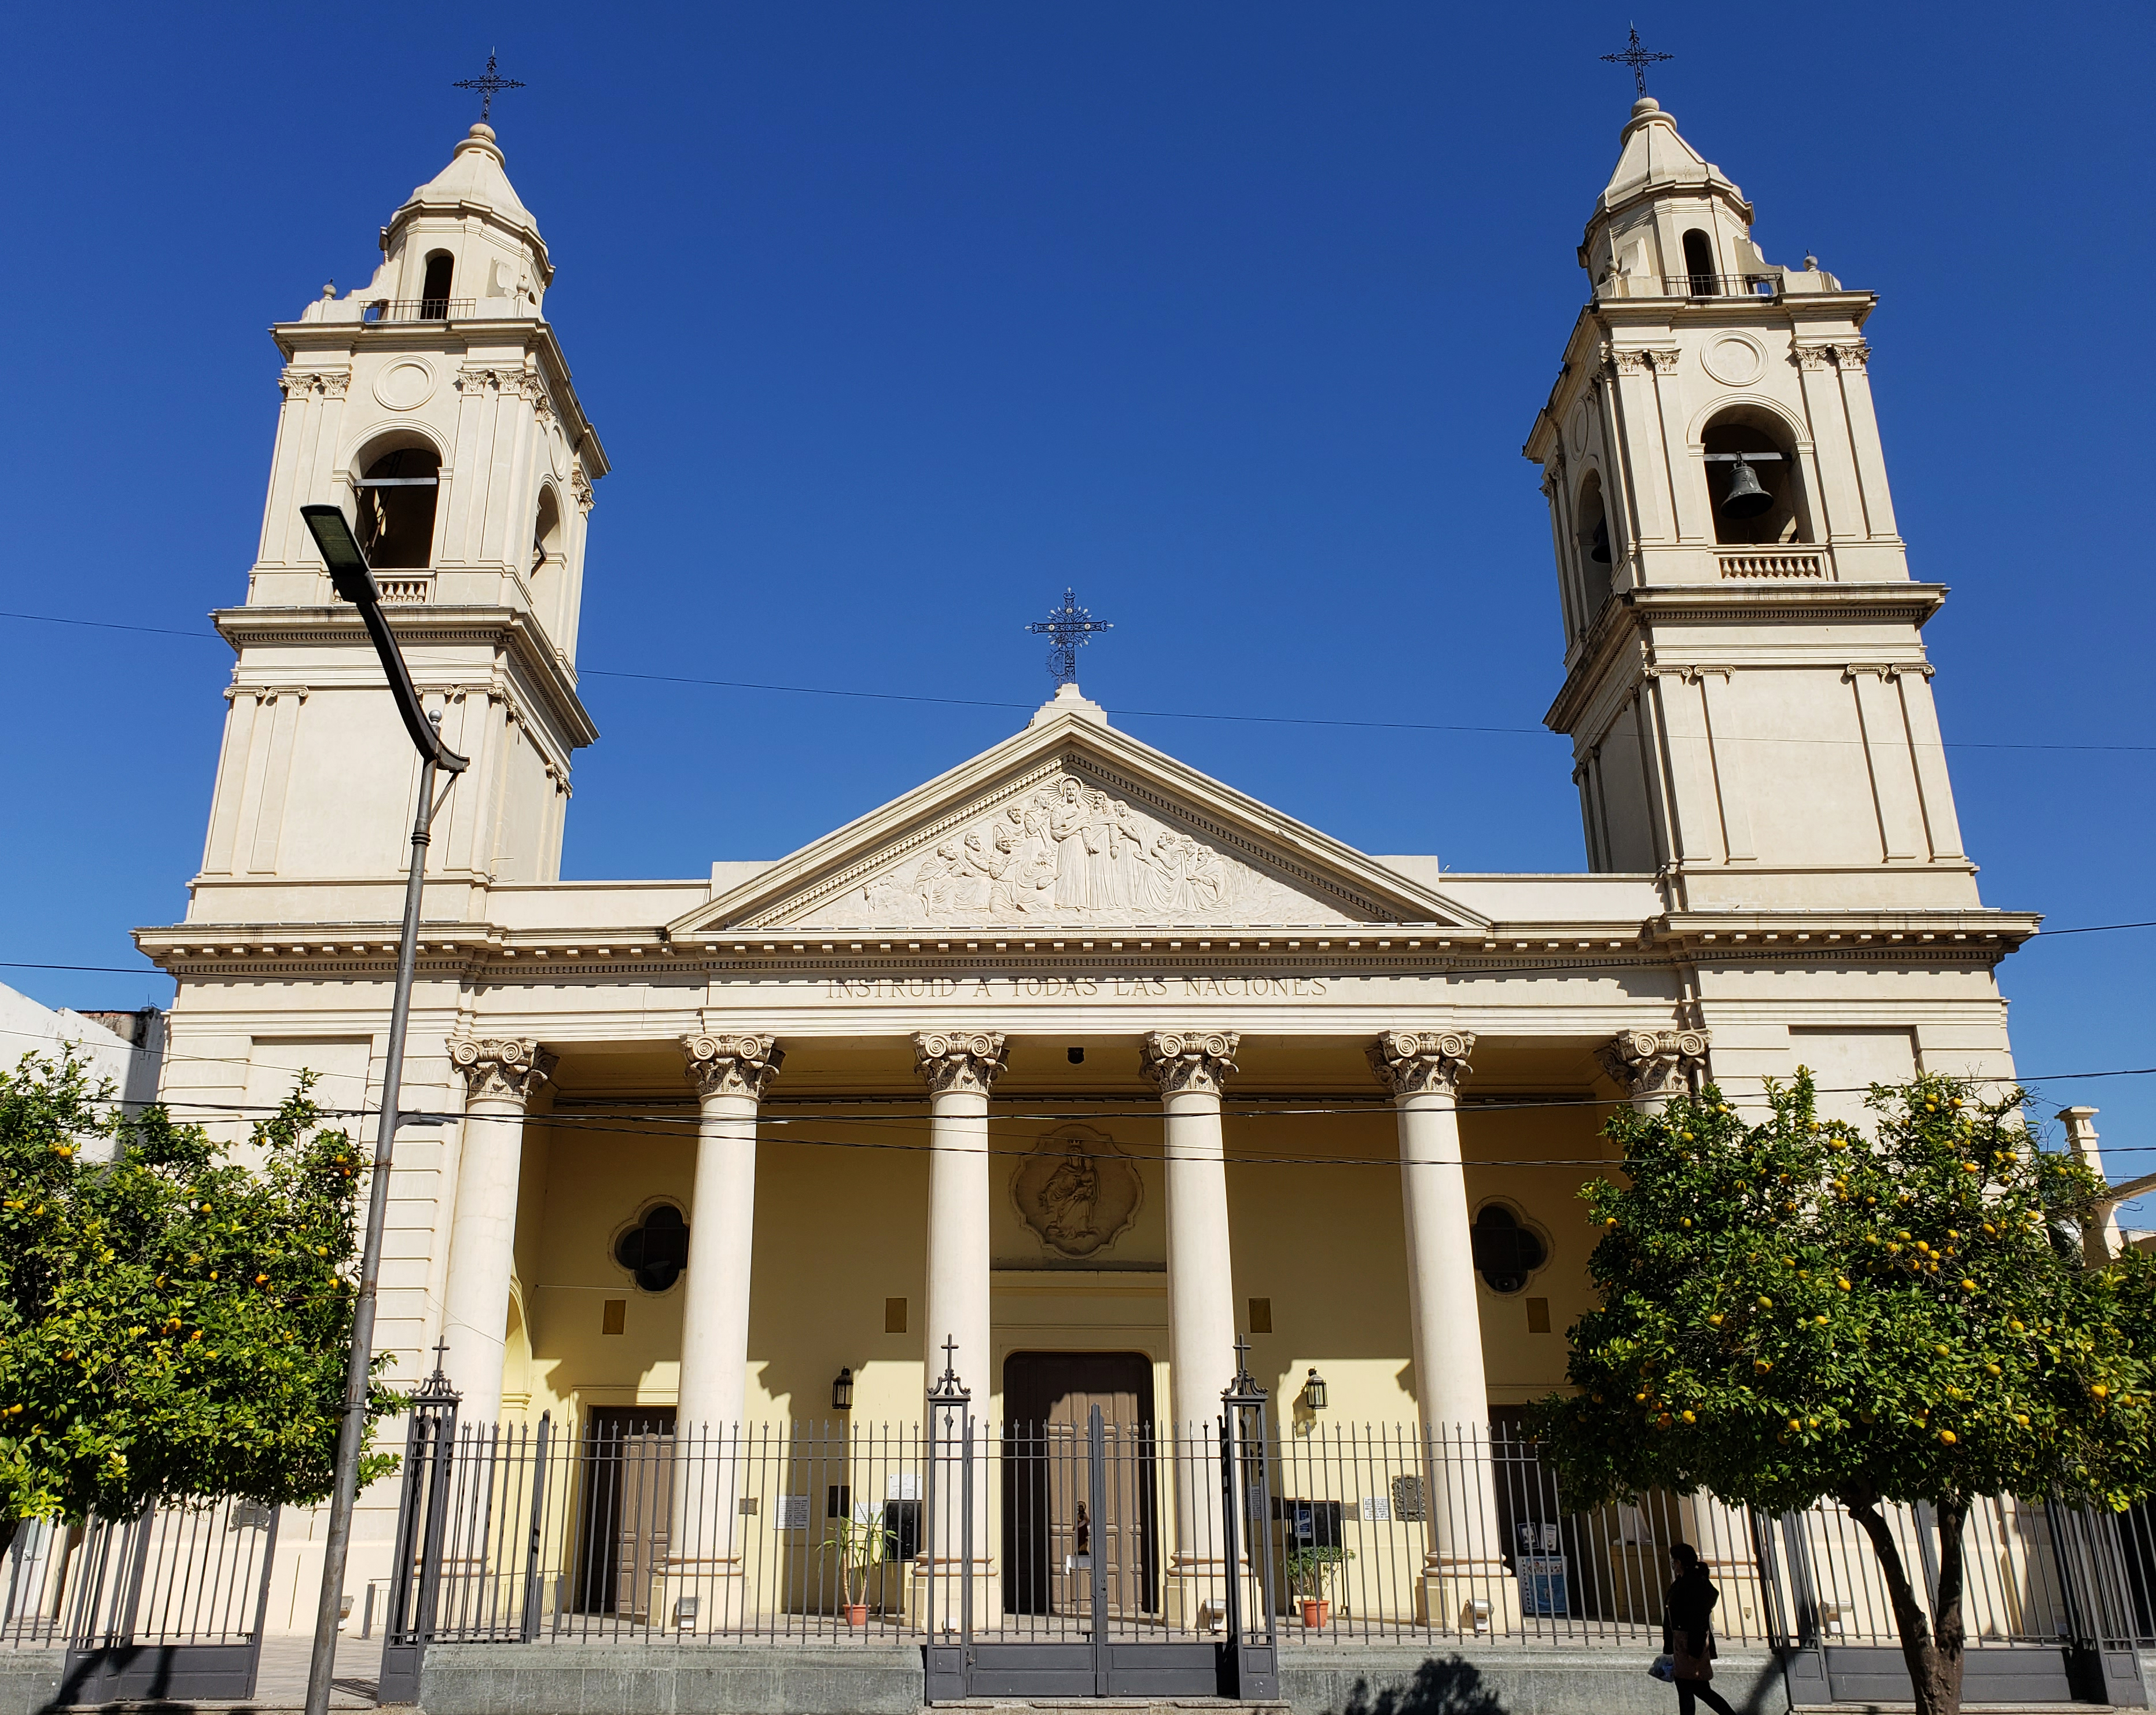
<point x="1135" y="714"/>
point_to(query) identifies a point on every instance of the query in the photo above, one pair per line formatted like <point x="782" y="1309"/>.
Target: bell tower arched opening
<point x="397" y="498"/>
<point x="1596" y="556"/>
<point x="434" y="293"/>
<point x="1752" y="480"/>
<point x="1701" y="281"/>
<point x="549" y="563"/>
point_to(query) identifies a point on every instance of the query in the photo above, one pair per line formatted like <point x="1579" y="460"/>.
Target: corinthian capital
<point x="736" y="1065"/>
<point x="1422" y="1062"/>
<point x="967" y="1062"/>
<point x="1653" y="1065"/>
<point x="1179" y="1060"/>
<point x="501" y="1069"/>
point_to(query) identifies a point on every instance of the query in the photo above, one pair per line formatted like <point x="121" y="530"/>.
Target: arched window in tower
<point x="434" y="295"/>
<point x="1699" y="265"/>
<point x="547" y="562"/>
<point x="1595" y="553"/>
<point x="1751" y="480"/>
<point x="396" y="509"/>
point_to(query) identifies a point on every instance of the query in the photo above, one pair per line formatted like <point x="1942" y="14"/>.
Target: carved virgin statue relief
<point x="1077" y="1192"/>
<point x="1067" y="852"/>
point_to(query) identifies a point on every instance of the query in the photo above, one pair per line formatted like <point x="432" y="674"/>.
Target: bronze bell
<point x="1598" y="548"/>
<point x="1746" y="499"/>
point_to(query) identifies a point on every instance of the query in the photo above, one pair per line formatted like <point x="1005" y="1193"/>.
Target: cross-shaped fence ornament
<point x="488" y="86"/>
<point x="1070" y="628"/>
<point x="1637" y="58"/>
<point x="441" y="1351"/>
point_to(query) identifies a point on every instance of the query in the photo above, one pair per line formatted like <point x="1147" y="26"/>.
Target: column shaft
<point x="499" y="1076"/>
<point x="731" y="1073"/>
<point x="960" y="1067"/>
<point x="1191" y="1069"/>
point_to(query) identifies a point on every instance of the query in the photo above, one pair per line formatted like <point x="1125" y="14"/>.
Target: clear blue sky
<point x="897" y="318"/>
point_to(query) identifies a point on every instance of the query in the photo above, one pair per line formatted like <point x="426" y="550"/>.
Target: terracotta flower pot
<point x="857" y="1614"/>
<point x="1316" y="1611"/>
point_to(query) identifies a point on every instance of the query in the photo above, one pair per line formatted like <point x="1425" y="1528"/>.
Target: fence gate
<point x="1085" y="1607"/>
<point x="170" y="1606"/>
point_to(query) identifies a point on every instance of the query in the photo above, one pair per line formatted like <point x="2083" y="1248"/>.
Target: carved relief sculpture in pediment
<point x="1077" y="1192"/>
<point x="1067" y="852"/>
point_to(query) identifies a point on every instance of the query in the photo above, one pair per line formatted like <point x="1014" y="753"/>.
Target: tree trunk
<point x="1934" y="1662"/>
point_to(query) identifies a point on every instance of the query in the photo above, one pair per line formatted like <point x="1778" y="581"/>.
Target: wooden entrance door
<point x="1048" y="1401"/>
<point x="627" y="1481"/>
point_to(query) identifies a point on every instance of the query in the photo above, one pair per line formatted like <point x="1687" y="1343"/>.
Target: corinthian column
<point x="1464" y="1584"/>
<point x="500" y="1077"/>
<point x="731" y="1073"/>
<point x="960" y="1067"/>
<point x="1191" y="1068"/>
<point x="1650" y="1067"/>
<point x="703" y="1588"/>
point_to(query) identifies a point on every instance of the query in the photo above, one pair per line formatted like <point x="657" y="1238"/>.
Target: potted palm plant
<point x="1309" y="1569"/>
<point x="862" y="1541"/>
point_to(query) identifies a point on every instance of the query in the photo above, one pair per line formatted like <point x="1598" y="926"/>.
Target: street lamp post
<point x="354" y="582"/>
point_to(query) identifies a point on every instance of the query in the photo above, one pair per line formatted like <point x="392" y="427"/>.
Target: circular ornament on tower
<point x="1579" y="427"/>
<point x="1735" y="359"/>
<point x="406" y="384"/>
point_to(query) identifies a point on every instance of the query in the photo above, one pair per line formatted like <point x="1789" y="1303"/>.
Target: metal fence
<point x="172" y="1604"/>
<point x="1354" y="1533"/>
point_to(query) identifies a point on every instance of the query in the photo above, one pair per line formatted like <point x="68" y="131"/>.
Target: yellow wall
<point x="841" y="1225"/>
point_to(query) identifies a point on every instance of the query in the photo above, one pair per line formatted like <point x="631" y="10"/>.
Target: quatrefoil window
<point x="1506" y="1251"/>
<point x="656" y="1250"/>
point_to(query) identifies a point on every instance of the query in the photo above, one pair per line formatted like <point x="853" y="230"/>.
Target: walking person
<point x="1688" y="1631"/>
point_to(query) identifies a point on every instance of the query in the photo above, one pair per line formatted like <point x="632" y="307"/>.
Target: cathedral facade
<point x="1071" y="1052"/>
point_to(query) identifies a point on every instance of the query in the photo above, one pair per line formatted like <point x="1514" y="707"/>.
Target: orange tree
<point x="173" y="1323"/>
<point x="1798" y="1310"/>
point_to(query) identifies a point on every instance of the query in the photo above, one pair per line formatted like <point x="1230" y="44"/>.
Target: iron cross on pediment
<point x="1070" y="628"/>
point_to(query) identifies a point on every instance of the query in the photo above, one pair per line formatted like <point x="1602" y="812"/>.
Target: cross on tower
<point x="1637" y="58"/>
<point x="488" y="86"/>
<point x="1070" y="627"/>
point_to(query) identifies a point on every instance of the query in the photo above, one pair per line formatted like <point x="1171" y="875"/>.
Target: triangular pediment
<point x="1070" y="824"/>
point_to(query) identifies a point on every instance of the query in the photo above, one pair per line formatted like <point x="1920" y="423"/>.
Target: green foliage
<point x="1311" y="1569"/>
<point x="171" y="1322"/>
<point x="1792" y="1310"/>
<point x="860" y="1539"/>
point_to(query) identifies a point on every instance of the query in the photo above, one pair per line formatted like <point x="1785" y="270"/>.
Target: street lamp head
<point x="341" y="552"/>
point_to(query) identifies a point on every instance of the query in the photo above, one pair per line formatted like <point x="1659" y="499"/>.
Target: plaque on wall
<point x="1077" y="1192"/>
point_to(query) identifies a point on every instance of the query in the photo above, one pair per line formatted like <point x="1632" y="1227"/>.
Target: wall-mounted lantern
<point x="1313" y="1392"/>
<point x="841" y="1390"/>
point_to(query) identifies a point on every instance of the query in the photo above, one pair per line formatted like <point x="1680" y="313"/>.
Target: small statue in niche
<point x="1067" y="1199"/>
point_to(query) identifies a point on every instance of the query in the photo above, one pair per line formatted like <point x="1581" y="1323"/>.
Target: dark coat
<point x="1688" y="1609"/>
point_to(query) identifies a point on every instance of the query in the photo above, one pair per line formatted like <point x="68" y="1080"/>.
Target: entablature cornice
<point x="1627" y="623"/>
<point x="531" y="664"/>
<point x="1271" y="965"/>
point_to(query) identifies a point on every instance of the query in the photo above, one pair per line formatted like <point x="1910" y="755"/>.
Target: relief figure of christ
<point x="1103" y="874"/>
<point x="1066" y="826"/>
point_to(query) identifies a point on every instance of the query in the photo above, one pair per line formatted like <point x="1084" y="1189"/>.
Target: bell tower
<point x="1746" y="690"/>
<point x="433" y="406"/>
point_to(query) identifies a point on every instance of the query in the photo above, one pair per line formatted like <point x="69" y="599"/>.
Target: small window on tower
<point x="396" y="509"/>
<point x="1699" y="265"/>
<point x="434" y="295"/>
